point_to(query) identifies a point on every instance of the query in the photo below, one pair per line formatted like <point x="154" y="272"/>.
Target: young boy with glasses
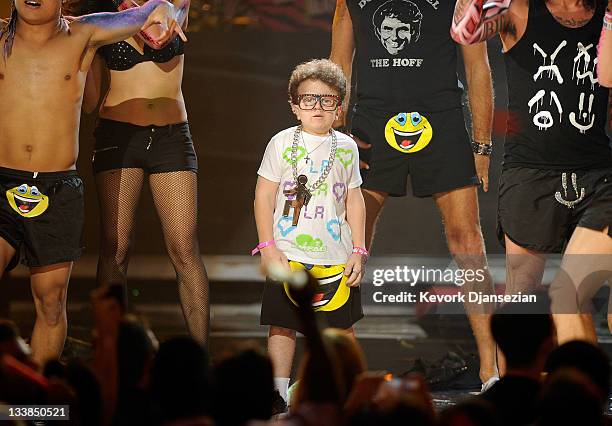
<point x="310" y="213"/>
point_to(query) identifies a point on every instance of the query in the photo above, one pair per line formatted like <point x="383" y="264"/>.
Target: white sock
<point x="282" y="385"/>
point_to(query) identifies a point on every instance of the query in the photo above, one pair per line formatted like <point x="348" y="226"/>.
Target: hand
<point x="164" y="20"/>
<point x="494" y="8"/>
<point x="411" y="389"/>
<point x="365" y="387"/>
<point x="354" y="269"/>
<point x="362" y="145"/>
<point x="466" y="28"/>
<point x="482" y="170"/>
<point x="272" y="254"/>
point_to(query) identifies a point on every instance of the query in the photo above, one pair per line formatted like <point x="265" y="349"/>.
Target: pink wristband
<point x="259" y="246"/>
<point x="361" y="251"/>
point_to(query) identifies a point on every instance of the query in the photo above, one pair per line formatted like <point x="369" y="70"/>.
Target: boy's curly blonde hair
<point x="317" y="69"/>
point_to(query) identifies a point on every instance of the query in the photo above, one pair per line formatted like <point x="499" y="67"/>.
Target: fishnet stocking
<point x="118" y="194"/>
<point x="175" y="197"/>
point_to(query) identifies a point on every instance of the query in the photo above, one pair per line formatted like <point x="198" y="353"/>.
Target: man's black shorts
<point x="41" y="216"/>
<point x="433" y="147"/>
<point x="539" y="209"/>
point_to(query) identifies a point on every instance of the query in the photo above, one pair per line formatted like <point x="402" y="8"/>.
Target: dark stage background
<point x="238" y="60"/>
<point x="235" y="87"/>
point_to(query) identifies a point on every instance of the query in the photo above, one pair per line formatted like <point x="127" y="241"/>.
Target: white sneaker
<point x="489" y="383"/>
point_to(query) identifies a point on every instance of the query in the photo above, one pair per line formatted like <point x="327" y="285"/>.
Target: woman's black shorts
<point x="155" y="149"/>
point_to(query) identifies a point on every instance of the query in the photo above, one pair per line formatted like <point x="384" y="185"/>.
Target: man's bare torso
<point x="41" y="90"/>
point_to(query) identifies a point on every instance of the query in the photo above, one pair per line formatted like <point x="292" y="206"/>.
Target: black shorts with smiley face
<point x="432" y="147"/>
<point x="335" y="304"/>
<point x="41" y="216"/>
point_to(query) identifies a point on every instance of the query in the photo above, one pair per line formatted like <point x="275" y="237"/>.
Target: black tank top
<point x="557" y="110"/>
<point x="405" y="57"/>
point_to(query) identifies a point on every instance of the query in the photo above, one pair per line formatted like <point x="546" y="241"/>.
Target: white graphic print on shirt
<point x="583" y="71"/>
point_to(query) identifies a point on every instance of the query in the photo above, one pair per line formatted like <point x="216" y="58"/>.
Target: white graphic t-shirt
<point x="322" y="235"/>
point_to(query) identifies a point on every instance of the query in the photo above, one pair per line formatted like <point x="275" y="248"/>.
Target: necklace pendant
<point x="307" y="159"/>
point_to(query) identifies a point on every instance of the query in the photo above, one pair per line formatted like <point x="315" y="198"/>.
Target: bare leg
<point x="6" y="254"/>
<point x="586" y="264"/>
<point x="459" y="210"/>
<point x="175" y="197"/>
<point x="281" y="349"/>
<point x="374" y="202"/>
<point x="118" y="194"/>
<point x="524" y="273"/>
<point x="49" y="287"/>
<point x="524" y="268"/>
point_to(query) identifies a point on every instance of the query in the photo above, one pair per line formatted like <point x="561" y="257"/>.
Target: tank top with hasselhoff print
<point x="405" y="57"/>
<point x="557" y="111"/>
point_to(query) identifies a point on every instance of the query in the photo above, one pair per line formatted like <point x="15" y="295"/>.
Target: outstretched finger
<point x="164" y="37"/>
<point x="354" y="279"/>
<point x="180" y="32"/>
<point x="351" y="279"/>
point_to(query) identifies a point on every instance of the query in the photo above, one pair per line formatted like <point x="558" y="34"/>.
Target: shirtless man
<point x="556" y="186"/>
<point x="42" y="77"/>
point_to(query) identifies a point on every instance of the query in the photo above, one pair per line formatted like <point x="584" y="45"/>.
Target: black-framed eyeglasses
<point x="308" y="101"/>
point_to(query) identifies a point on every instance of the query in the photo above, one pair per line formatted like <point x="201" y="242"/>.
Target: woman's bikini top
<point x="122" y="56"/>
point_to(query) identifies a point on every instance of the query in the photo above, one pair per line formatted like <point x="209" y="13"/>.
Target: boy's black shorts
<point x="42" y="215"/>
<point x="539" y="209"/>
<point x="335" y="304"/>
<point x="432" y="147"/>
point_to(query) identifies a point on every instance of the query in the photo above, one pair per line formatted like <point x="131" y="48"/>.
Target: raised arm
<point x="478" y="20"/>
<point x="480" y="96"/>
<point x="343" y="48"/>
<point x="604" y="64"/>
<point x="106" y="28"/>
<point x="152" y="33"/>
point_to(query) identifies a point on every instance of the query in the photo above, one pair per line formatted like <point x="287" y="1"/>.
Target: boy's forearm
<point x="264" y="218"/>
<point x="355" y="216"/>
<point x="111" y="27"/>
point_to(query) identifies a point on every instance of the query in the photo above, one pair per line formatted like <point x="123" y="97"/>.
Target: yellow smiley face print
<point x="27" y="200"/>
<point x="408" y="132"/>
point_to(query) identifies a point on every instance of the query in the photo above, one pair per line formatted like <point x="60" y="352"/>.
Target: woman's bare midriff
<point x="148" y="93"/>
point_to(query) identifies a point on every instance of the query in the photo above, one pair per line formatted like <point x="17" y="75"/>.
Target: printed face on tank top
<point x="404" y="55"/>
<point x="395" y="27"/>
